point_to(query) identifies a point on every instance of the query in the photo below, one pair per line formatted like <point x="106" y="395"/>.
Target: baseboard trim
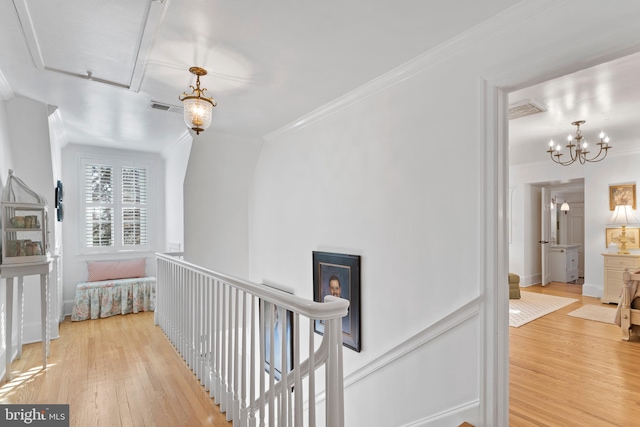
<point x="68" y="308"/>
<point x="32" y="332"/>
<point x="450" y="417"/>
<point x="531" y="280"/>
<point x="592" y="290"/>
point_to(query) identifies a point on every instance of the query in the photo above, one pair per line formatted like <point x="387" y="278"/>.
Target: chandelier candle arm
<point x="197" y="107"/>
<point x="579" y="150"/>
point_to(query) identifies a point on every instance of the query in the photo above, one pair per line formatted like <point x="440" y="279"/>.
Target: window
<point x="115" y="206"/>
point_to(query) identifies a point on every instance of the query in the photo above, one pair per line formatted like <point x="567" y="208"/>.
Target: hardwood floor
<point x="118" y="371"/>
<point x="566" y="371"/>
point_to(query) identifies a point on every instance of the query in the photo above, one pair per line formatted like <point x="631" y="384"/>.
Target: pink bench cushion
<point x="110" y="270"/>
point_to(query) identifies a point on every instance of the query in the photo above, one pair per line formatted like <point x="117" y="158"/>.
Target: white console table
<point x="9" y="272"/>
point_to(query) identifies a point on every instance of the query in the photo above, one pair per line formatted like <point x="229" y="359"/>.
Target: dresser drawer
<point x="618" y="261"/>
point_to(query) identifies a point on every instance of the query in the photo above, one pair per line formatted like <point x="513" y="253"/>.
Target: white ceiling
<point x="606" y="96"/>
<point x="269" y="63"/>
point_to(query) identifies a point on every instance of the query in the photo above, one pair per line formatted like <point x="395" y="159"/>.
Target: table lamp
<point x="623" y="215"/>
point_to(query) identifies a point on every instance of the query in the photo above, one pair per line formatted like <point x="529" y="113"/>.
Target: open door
<point x="545" y="235"/>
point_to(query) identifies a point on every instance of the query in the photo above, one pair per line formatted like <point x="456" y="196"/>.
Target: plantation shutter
<point x="134" y="206"/>
<point x="99" y="205"/>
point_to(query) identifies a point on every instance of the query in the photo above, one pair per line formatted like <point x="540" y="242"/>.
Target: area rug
<point x="532" y="305"/>
<point x="598" y="313"/>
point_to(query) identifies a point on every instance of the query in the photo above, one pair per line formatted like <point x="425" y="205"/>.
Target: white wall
<point x="216" y="202"/>
<point x="25" y="147"/>
<point x="364" y="180"/>
<point x="394" y="172"/>
<point x="617" y="168"/>
<point x="6" y="162"/>
<point x="176" y="159"/>
<point x="58" y="141"/>
<point x="74" y="262"/>
<point x="6" y="157"/>
<point x="32" y="162"/>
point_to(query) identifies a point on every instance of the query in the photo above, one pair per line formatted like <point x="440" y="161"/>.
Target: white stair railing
<point x="222" y="326"/>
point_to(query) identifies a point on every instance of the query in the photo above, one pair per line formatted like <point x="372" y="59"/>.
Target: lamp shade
<point x="565" y="207"/>
<point x="623" y="215"/>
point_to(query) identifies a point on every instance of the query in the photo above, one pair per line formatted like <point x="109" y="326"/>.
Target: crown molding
<point x="503" y="21"/>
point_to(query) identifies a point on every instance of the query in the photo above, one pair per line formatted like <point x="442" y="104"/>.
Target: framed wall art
<point x="339" y="275"/>
<point x="623" y="194"/>
<point x="274" y="321"/>
<point x="632" y="234"/>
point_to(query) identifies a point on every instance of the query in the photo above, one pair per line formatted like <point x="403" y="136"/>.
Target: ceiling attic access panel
<point x="102" y="41"/>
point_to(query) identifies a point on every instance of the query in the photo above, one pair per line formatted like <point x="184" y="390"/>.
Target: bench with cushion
<point x="114" y="287"/>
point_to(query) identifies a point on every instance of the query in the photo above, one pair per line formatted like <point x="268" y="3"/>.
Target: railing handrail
<point x="331" y="308"/>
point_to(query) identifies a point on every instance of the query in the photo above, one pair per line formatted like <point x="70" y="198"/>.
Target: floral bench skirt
<point x="122" y="296"/>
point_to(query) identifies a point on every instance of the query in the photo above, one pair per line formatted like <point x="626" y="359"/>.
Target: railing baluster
<point x="284" y="364"/>
<point x="192" y="320"/>
<point x="215" y="358"/>
<point x="252" y="366"/>
<point x="230" y="354"/>
<point x="262" y="331"/>
<point x="272" y="366"/>
<point x="223" y="365"/>
<point x="196" y="325"/>
<point x="236" y="356"/>
<point x="312" y="375"/>
<point x="206" y="333"/>
<point x="200" y="346"/>
<point x="297" y="407"/>
<point x="243" y="372"/>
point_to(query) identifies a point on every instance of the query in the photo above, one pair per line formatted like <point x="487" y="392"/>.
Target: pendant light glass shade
<point x="197" y="113"/>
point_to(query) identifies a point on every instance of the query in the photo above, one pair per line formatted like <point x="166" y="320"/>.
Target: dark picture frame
<point x="329" y="271"/>
<point x="59" y="195"/>
<point x="273" y="314"/>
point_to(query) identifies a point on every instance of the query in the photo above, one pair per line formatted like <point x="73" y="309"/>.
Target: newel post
<point x="334" y="373"/>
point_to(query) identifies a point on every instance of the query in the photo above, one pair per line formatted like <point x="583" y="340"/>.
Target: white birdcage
<point x="24" y="219"/>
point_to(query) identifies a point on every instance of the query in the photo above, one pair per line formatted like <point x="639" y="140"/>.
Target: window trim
<point x="117" y="164"/>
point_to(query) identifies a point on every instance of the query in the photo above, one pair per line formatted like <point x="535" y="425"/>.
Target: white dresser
<point x="564" y="263"/>
<point x="614" y="265"/>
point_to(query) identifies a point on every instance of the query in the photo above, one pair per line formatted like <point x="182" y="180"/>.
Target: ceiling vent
<point x="165" y="107"/>
<point x="525" y="108"/>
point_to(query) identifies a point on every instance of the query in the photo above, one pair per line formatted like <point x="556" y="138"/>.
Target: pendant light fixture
<point x="197" y="107"/>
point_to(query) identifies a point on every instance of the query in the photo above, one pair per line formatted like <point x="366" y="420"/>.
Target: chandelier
<point x="197" y="108"/>
<point x="578" y="148"/>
